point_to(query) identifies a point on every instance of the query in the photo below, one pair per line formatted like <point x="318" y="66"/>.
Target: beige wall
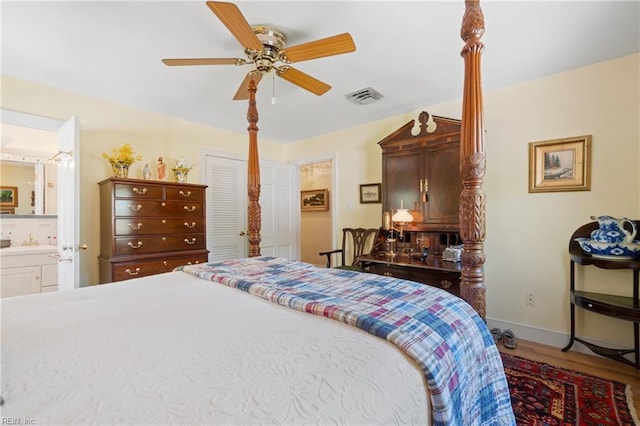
<point x="527" y="234"/>
<point x="105" y="125"/>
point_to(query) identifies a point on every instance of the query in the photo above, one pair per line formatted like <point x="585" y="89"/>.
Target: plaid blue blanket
<point x="441" y="332"/>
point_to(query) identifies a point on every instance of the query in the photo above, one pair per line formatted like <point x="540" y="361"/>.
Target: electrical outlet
<point x="530" y="299"/>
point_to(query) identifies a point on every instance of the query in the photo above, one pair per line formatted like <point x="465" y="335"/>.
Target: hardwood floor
<point x="584" y="363"/>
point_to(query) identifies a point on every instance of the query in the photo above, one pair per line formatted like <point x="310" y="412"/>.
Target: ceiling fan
<point x="265" y="48"/>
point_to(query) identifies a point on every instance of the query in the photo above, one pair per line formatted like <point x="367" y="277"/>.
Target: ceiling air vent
<point x="365" y="96"/>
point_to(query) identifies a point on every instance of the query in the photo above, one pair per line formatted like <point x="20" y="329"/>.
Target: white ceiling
<point x="407" y="51"/>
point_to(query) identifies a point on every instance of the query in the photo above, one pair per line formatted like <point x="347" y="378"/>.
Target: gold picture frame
<point x="8" y="196"/>
<point x="560" y="165"/>
<point x="314" y="200"/>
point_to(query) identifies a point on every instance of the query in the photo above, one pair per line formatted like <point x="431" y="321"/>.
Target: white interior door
<point x="279" y="202"/>
<point x="226" y="207"/>
<point x="67" y="190"/>
<point x="227" y="202"/>
<point x="69" y="203"/>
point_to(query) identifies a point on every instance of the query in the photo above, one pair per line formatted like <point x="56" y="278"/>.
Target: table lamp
<point x="402" y="217"/>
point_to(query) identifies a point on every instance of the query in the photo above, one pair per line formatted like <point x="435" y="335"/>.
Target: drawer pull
<point x="164" y="204"/>
<point x="165" y="263"/>
<point x="193" y="241"/>
<point x="185" y="194"/>
<point x="388" y="274"/>
<point x="193" y="225"/>
<point x="135" y="208"/>
<point x="190" y="209"/>
<point x="137" y="226"/>
<point x="164" y="238"/>
<point x="128" y="271"/>
<point x="446" y="283"/>
<point x="164" y="221"/>
<point x="140" y="191"/>
<point x="137" y="246"/>
<point x="589" y="305"/>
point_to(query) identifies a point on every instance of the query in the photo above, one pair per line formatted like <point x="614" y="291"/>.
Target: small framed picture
<point x="314" y="199"/>
<point x="370" y="193"/>
<point x="8" y="196"/>
<point x="560" y="165"/>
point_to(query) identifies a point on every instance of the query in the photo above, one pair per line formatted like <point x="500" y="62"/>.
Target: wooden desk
<point x="433" y="271"/>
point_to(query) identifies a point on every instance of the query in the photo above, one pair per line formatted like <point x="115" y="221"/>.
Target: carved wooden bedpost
<point x="253" y="181"/>
<point x="472" y="162"/>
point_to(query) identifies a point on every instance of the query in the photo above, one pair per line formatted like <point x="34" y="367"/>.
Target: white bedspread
<point x="173" y="348"/>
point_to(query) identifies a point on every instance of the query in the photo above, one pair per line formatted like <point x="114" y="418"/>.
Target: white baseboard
<point x="548" y="337"/>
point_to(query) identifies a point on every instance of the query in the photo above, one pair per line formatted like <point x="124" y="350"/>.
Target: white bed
<point x="260" y="340"/>
<point x="175" y="349"/>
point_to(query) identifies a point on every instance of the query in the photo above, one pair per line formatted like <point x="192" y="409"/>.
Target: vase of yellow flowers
<point x="181" y="170"/>
<point x="121" y="159"/>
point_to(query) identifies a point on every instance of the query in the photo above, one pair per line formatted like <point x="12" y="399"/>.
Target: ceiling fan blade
<point x="235" y="22"/>
<point x="243" y="90"/>
<point x="303" y="80"/>
<point x="204" y="61"/>
<point x="335" y="45"/>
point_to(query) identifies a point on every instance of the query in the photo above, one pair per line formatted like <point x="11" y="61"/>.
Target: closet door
<point x="226" y="208"/>
<point x="227" y="204"/>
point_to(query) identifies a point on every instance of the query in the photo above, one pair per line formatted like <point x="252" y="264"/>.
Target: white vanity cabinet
<point x="28" y="270"/>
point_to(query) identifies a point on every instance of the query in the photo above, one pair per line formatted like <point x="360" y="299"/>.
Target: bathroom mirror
<point x="28" y="180"/>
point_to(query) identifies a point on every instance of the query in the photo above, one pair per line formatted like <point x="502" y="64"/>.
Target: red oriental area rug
<point x="542" y="394"/>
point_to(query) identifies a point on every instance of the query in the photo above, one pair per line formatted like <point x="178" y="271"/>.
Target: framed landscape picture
<point x="560" y="165"/>
<point x="314" y="199"/>
<point x="8" y="196"/>
<point x="370" y="193"/>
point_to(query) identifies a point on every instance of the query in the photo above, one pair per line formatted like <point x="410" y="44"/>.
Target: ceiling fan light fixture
<point x="271" y="38"/>
<point x="264" y="46"/>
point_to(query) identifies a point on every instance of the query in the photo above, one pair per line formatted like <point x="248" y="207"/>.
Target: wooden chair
<point x="354" y="242"/>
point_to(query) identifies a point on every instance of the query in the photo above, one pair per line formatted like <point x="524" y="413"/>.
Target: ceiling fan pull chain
<point x="273" y="77"/>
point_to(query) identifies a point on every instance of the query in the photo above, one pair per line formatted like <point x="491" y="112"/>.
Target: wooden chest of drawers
<point x="149" y="227"/>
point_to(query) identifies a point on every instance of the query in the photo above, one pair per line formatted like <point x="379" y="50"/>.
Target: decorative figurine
<point x="425" y="253"/>
<point x="162" y="169"/>
<point x="146" y="172"/>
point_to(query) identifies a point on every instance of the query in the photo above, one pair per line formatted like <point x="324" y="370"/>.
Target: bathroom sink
<point x="20" y="250"/>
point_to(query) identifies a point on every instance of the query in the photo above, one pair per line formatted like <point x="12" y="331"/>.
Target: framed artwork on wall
<point x="8" y="196"/>
<point x="560" y="165"/>
<point x="370" y="193"/>
<point x="314" y="199"/>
